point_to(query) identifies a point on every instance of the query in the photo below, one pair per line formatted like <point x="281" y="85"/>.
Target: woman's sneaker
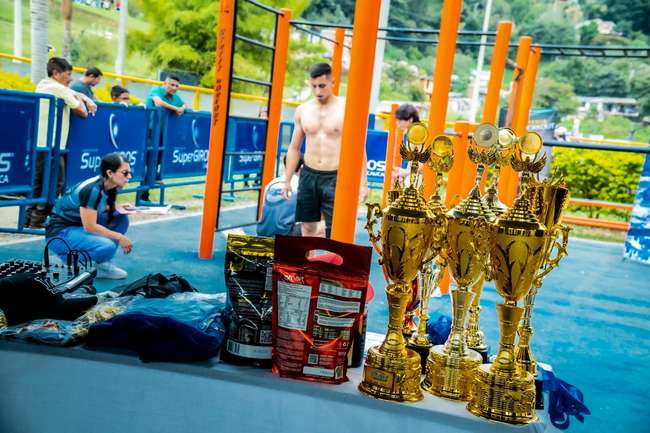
<point x="109" y="271"/>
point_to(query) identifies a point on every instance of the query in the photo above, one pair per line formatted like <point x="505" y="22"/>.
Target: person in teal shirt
<point x="165" y="96"/>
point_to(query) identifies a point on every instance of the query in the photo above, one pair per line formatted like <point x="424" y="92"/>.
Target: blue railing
<point x="162" y="148"/>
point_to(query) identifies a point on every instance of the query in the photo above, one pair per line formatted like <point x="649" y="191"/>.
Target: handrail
<point x="608" y="141"/>
<point x="126" y="78"/>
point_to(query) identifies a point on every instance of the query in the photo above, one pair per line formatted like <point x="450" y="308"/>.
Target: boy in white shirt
<point x="59" y="76"/>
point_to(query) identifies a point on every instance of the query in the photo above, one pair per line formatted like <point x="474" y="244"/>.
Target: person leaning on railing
<point x="59" y="75"/>
<point x="165" y="96"/>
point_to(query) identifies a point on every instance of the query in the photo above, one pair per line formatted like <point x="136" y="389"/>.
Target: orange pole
<point x="469" y="168"/>
<point x="355" y="123"/>
<point x="456" y="174"/>
<point x="337" y="59"/>
<point x="521" y="60"/>
<point x="520" y="125"/>
<point x="399" y="139"/>
<point x="449" y="22"/>
<point x="497" y="69"/>
<point x="390" y="154"/>
<point x="275" y="102"/>
<point x="220" y="102"/>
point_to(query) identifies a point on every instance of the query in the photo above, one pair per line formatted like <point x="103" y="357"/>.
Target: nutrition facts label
<point x="293" y="305"/>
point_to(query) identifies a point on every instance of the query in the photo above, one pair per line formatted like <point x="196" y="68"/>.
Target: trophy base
<point x="392" y="377"/>
<point x="423" y="351"/>
<point x="448" y="375"/>
<point x="505" y="398"/>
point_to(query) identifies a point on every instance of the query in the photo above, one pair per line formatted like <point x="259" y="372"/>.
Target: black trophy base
<point x="423" y="351"/>
<point x="539" y="394"/>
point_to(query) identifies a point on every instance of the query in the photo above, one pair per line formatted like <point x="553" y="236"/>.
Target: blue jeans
<point x="100" y="248"/>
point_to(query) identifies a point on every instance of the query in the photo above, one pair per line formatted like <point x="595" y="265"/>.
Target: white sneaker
<point x="109" y="271"/>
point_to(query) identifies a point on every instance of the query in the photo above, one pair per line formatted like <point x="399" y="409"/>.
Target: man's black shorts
<point x="316" y="190"/>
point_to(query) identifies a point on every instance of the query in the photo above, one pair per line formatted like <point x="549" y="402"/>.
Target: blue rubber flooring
<point x="591" y="319"/>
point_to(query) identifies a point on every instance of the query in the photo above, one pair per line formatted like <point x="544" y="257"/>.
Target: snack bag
<point x="317" y="307"/>
<point x="248" y="270"/>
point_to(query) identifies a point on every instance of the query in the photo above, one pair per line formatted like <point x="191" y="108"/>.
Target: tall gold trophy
<point x="451" y="366"/>
<point x="391" y="371"/>
<point x="502" y="391"/>
<point x="549" y="198"/>
<point x="442" y="159"/>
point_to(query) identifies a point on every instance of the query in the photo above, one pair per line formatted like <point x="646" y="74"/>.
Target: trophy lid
<point x="472" y="207"/>
<point x="411" y="202"/>
<point x="491" y="200"/>
<point x="520" y="216"/>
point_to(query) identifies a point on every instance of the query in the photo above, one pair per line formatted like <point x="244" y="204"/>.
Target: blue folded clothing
<point x="564" y="400"/>
<point x="439" y="330"/>
<point x="185" y="327"/>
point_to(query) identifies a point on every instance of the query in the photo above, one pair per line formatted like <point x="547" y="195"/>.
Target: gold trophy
<point x="502" y="391"/>
<point x="505" y="141"/>
<point x="391" y="371"/>
<point x="442" y="159"/>
<point x="451" y="366"/>
<point x="549" y="198"/>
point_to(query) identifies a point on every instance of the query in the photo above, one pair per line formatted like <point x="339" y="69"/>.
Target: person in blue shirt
<point x="165" y="96"/>
<point x="84" y="85"/>
<point x="87" y="218"/>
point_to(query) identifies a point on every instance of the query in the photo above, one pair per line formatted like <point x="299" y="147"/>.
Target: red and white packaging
<point x="317" y="307"/>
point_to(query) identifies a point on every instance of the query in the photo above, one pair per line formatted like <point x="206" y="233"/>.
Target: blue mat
<point x="591" y="319"/>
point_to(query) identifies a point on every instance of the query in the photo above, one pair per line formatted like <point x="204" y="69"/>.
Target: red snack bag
<point x="317" y="307"/>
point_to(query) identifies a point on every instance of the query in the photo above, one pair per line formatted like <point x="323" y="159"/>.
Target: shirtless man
<point x="321" y="121"/>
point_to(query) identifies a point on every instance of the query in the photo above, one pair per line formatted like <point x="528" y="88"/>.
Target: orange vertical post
<point x="497" y="69"/>
<point x="275" y="102"/>
<point x="521" y="60"/>
<point x="355" y="122"/>
<point x="220" y="106"/>
<point x="390" y="154"/>
<point x="457" y="172"/>
<point x="449" y="22"/>
<point x="337" y="59"/>
<point x="520" y="123"/>
<point x="469" y="168"/>
<point x="399" y="139"/>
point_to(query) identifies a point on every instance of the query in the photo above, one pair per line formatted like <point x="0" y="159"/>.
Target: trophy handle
<point x="560" y="248"/>
<point x="372" y="217"/>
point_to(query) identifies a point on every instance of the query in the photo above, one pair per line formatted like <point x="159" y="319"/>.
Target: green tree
<point x="553" y="94"/>
<point x="182" y="36"/>
<point x="640" y="89"/>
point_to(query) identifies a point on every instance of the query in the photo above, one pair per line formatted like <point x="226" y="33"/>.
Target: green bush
<point x="598" y="175"/>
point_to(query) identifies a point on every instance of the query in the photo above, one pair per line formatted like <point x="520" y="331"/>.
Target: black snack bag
<point x="248" y="270"/>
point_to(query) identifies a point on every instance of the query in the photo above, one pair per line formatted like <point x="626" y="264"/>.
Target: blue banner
<point x="637" y="243"/>
<point x="115" y="128"/>
<point x="186" y="140"/>
<point x="376" y="154"/>
<point x="244" y="135"/>
<point x="20" y="113"/>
